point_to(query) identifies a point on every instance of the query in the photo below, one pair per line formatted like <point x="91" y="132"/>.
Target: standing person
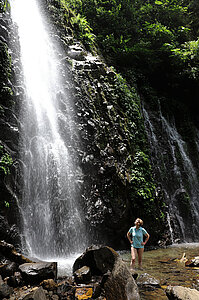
<point x="135" y="236"/>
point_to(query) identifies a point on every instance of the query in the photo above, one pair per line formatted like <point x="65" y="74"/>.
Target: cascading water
<point x="176" y="174"/>
<point x="50" y="206"/>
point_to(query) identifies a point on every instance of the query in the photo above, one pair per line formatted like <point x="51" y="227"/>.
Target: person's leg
<point x="140" y="252"/>
<point x="133" y="256"/>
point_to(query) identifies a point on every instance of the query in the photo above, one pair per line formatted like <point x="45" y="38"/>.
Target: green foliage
<point x="146" y="34"/>
<point x="5" y="61"/>
<point x="5" y="161"/>
<point x="82" y="29"/>
<point x="158" y="33"/>
<point x="7" y="204"/>
<point x="4" y="5"/>
<point x="120" y="25"/>
<point x="185" y="57"/>
<point x="129" y="101"/>
<point x="141" y="178"/>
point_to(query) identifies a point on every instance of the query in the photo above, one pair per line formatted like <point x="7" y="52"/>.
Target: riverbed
<point x="164" y="265"/>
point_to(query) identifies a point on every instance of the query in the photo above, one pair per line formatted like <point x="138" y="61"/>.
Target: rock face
<point x="113" y="141"/>
<point x="181" y="293"/>
<point x="39" y="271"/>
<point x="112" y="152"/>
<point x="9" y="251"/>
<point x="9" y="131"/>
<point x="117" y="281"/>
<point x="120" y="284"/>
<point x="5" y="290"/>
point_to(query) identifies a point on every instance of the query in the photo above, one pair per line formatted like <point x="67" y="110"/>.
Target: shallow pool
<point x="164" y="264"/>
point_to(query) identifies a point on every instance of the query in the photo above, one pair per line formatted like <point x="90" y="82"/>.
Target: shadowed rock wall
<point x="113" y="150"/>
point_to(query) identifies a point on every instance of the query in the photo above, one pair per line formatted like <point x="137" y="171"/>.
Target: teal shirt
<point x="137" y="236"/>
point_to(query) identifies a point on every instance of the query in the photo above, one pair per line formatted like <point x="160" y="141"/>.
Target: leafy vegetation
<point x="141" y="177"/>
<point x="5" y="164"/>
<point x="79" y="23"/>
<point x="4" y="5"/>
<point x="5" y="161"/>
<point x="125" y="26"/>
<point x="156" y="38"/>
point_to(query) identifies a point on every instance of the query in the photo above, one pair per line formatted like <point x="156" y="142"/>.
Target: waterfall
<point x="176" y="174"/>
<point x="52" y="216"/>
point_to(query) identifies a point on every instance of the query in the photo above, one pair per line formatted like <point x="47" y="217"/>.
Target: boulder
<point x="9" y="251"/>
<point x="196" y="284"/>
<point x="8" y="233"/>
<point x="119" y="284"/>
<point x="98" y="259"/>
<point x="147" y="281"/>
<point x="117" y="281"/>
<point x="5" y="290"/>
<point x="194" y="262"/>
<point x="15" y="280"/>
<point x="8" y="269"/>
<point x="82" y="275"/>
<point x="181" y="293"/>
<point x="36" y="293"/>
<point x="49" y="284"/>
<point x="63" y="287"/>
<point x="39" y="271"/>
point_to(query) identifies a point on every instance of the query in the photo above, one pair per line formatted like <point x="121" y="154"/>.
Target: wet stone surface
<point x="167" y="267"/>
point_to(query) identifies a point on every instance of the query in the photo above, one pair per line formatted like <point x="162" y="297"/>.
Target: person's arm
<point x="147" y="238"/>
<point x="129" y="237"/>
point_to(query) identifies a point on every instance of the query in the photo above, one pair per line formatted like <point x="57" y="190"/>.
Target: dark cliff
<point x="9" y="133"/>
<point x="114" y="151"/>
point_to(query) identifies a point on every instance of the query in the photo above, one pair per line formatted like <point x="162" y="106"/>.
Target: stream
<point x="163" y="264"/>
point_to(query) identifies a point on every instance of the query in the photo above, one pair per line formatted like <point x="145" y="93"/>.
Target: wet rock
<point x="5" y="290"/>
<point x="63" y="287"/>
<point x="55" y="297"/>
<point x="76" y="52"/>
<point x="196" y="284"/>
<point x="99" y="259"/>
<point x="49" y="284"/>
<point x="147" y="281"/>
<point x="117" y="281"/>
<point x="97" y="290"/>
<point x="8" y="233"/>
<point x="194" y="262"/>
<point x="37" y="272"/>
<point x="120" y="284"/>
<point x="36" y="293"/>
<point x="181" y="293"/>
<point x="4" y="32"/>
<point x="82" y="275"/>
<point x="8" y="269"/>
<point x="16" y="280"/>
<point x="134" y="274"/>
<point x="9" y="251"/>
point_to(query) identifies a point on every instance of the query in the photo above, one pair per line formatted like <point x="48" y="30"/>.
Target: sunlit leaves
<point x="4" y="5"/>
<point x="141" y="177"/>
<point x="5" y="161"/>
